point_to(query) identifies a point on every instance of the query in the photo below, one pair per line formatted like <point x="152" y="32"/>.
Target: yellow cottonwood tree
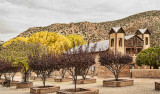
<point x="54" y="41"/>
<point x="76" y="40"/>
<point x="17" y="52"/>
<point x="23" y="39"/>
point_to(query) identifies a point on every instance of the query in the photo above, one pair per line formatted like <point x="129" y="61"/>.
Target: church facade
<point x="132" y="44"/>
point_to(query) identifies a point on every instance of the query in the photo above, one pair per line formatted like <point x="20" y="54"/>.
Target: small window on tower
<point x="120" y="42"/>
<point x="112" y="42"/>
<point x="146" y="41"/>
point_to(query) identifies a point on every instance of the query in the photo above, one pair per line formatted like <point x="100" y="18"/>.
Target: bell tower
<point x="145" y="35"/>
<point x="116" y="40"/>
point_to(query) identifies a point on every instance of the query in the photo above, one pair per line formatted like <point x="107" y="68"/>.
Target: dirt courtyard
<point x="141" y="86"/>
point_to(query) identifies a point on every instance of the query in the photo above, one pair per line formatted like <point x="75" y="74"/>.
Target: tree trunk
<point x="75" y="79"/>
<point x="13" y="76"/>
<point x="63" y="73"/>
<point x="44" y="79"/>
<point x="62" y="76"/>
<point x="25" y="74"/>
<point x="49" y="75"/>
<point x="37" y="74"/>
<point x="83" y="77"/>
<point x="116" y="77"/>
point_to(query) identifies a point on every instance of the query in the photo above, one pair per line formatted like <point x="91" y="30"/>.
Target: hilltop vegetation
<point x="99" y="31"/>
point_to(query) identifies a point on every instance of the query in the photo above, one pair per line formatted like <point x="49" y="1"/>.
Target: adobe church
<point x="132" y="44"/>
<point x="118" y="42"/>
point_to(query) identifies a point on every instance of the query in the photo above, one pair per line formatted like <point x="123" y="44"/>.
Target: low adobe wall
<point x="24" y="85"/>
<point x="44" y="90"/>
<point x="79" y="91"/>
<point x="103" y="72"/>
<point x="119" y="83"/>
<point x="145" y="73"/>
<point x="86" y="81"/>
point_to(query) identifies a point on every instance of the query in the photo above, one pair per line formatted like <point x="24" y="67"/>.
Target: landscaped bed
<point x="40" y="79"/>
<point x="157" y="85"/>
<point x="14" y="83"/>
<point x="42" y="89"/>
<point x="63" y="79"/>
<point x="86" y="81"/>
<point x="115" y="63"/>
<point x="24" y="85"/>
<point x="2" y="79"/>
<point x="78" y="91"/>
<point x="1" y="82"/>
<point x="35" y="78"/>
<point x="119" y="83"/>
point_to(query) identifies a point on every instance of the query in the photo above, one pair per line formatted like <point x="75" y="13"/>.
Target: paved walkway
<point x="141" y="86"/>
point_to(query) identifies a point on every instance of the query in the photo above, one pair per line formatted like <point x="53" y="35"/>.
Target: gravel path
<point x="141" y="86"/>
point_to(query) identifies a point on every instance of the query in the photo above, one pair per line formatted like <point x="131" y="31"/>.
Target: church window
<point x="146" y="40"/>
<point x="112" y="42"/>
<point x="120" y="42"/>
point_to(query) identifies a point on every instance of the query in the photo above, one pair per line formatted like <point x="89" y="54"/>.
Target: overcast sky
<point x="17" y="16"/>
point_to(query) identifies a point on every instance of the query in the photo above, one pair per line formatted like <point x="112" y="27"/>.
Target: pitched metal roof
<point x="128" y="37"/>
<point x="101" y="46"/>
<point x="116" y="29"/>
<point x="142" y="30"/>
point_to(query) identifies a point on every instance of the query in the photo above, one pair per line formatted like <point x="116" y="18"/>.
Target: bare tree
<point x="13" y="70"/>
<point x="114" y="62"/>
<point x="43" y="64"/>
<point x="6" y="68"/>
<point x="78" y="61"/>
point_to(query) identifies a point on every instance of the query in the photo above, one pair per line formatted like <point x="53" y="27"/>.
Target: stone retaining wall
<point x="145" y="73"/>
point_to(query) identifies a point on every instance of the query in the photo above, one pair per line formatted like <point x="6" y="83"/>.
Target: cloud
<point x="17" y="16"/>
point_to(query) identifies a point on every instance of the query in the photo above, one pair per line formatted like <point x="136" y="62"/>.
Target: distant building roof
<point x="101" y="46"/>
<point x="128" y="37"/>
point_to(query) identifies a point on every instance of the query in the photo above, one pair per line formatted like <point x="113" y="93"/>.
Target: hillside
<point x="99" y="31"/>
